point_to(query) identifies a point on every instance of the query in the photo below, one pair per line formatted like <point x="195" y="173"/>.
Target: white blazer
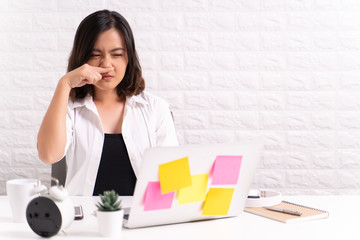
<point x="147" y="123"/>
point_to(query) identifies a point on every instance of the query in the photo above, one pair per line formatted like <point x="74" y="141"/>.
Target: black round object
<point x="43" y="216"/>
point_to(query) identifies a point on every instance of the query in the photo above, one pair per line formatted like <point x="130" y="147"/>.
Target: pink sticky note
<point x="226" y="170"/>
<point x="154" y="200"/>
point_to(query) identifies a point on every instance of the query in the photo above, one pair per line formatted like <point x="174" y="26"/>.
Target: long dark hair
<point x="86" y="35"/>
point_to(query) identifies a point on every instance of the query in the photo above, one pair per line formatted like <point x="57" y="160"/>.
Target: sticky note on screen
<point x="218" y="201"/>
<point x="154" y="199"/>
<point x="174" y="175"/>
<point x="196" y="192"/>
<point x="226" y="170"/>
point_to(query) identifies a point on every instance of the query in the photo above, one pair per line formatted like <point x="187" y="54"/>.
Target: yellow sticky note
<point x="218" y="201"/>
<point x="196" y="192"/>
<point x="174" y="175"/>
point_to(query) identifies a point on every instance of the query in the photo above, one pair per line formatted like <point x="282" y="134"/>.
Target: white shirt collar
<point x="88" y="102"/>
<point x="133" y="100"/>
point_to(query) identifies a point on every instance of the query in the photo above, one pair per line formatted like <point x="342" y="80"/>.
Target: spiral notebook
<point x="308" y="213"/>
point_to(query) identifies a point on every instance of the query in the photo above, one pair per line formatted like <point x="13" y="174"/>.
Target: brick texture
<point x="287" y="71"/>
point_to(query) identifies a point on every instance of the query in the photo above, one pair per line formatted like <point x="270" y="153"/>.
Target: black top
<point x="115" y="171"/>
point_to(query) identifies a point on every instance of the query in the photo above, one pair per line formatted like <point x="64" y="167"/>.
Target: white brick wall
<point x="284" y="70"/>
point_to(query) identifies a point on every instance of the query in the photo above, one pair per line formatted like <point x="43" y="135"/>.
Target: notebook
<point x="192" y="182"/>
<point x="308" y="213"/>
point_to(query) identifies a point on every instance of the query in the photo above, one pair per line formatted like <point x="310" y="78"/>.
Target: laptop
<point x="192" y="183"/>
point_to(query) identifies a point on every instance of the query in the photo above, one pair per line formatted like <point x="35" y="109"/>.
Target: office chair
<point x="58" y="171"/>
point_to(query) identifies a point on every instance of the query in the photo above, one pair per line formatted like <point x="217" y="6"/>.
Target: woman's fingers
<point x="87" y="74"/>
<point x="103" y="70"/>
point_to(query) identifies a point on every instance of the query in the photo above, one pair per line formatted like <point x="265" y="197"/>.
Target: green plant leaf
<point x="109" y="201"/>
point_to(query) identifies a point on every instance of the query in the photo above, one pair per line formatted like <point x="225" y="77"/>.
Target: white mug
<point x="19" y="192"/>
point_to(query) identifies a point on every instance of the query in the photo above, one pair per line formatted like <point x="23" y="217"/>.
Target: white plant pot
<point x="110" y="223"/>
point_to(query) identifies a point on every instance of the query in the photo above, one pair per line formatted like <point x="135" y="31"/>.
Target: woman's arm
<point x="165" y="129"/>
<point x="52" y="133"/>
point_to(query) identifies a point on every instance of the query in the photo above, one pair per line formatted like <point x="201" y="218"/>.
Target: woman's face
<point x="109" y="51"/>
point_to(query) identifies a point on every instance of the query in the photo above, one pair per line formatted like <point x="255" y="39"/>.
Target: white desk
<point x="343" y="222"/>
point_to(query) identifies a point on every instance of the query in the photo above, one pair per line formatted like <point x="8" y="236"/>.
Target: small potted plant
<point x="110" y="214"/>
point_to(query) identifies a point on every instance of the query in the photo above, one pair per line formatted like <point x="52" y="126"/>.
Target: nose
<point x="105" y="62"/>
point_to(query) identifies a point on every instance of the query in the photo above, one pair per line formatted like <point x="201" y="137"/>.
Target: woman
<point x="100" y="117"/>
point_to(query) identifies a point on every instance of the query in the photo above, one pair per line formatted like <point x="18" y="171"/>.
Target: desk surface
<point x="342" y="223"/>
